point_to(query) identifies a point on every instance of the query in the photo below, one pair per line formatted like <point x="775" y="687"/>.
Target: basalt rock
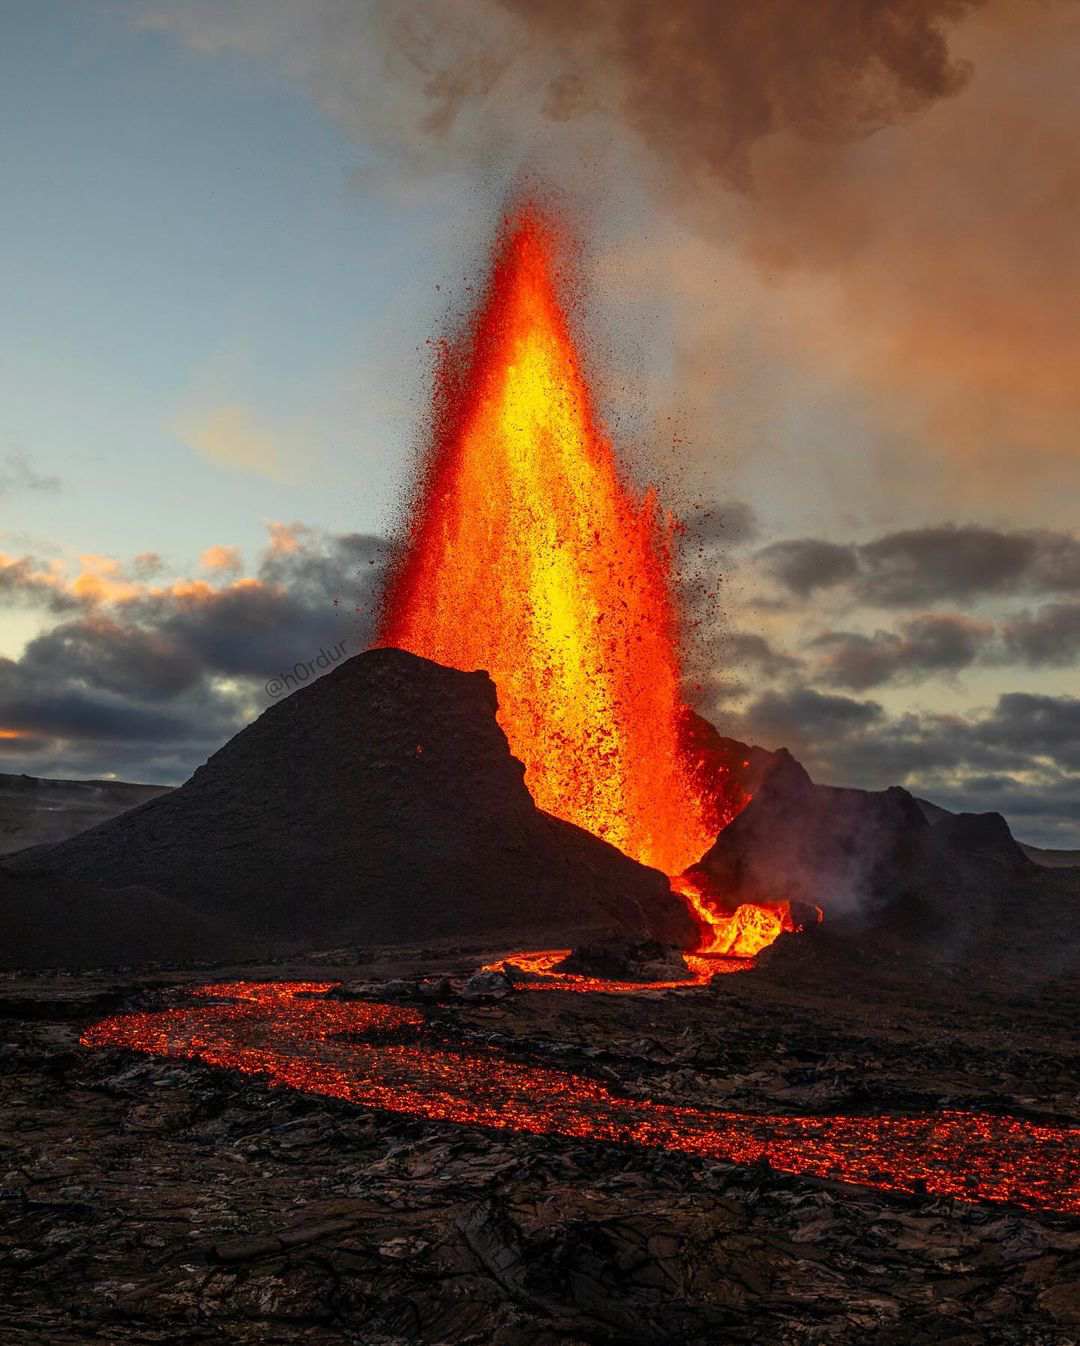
<point x="380" y="803"/>
<point x="625" y="960"/>
<point x="865" y="851"/>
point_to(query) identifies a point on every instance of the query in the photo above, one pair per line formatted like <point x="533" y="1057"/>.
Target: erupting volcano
<point x="529" y="554"/>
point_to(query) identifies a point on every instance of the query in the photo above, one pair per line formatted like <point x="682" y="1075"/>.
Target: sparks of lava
<point x="371" y="1055"/>
<point x="531" y="556"/>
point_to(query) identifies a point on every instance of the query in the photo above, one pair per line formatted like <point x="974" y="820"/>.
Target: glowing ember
<point x="530" y="556"/>
<point x="278" y="1031"/>
<point x="539" y="967"/>
<point x="745" y="931"/>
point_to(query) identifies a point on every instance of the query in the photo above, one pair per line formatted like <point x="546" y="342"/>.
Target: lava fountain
<point x="531" y="555"/>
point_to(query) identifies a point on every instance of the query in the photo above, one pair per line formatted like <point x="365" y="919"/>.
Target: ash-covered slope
<point x="381" y="803"/>
<point x="35" y="811"/>
<point x="864" y="850"/>
<point x="47" y="921"/>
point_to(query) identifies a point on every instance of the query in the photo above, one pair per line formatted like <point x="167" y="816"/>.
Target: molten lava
<point x="537" y="970"/>
<point x="530" y="556"/>
<point x="372" y="1055"/>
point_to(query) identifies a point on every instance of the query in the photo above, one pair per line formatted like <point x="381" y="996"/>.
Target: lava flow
<point x="538" y="970"/>
<point x="370" y="1055"/>
<point x="531" y="556"/>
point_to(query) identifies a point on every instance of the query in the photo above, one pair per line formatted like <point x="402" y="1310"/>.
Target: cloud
<point x="933" y="644"/>
<point x="17" y="474"/>
<point x="927" y="565"/>
<point x="147" y="565"/>
<point x="921" y="566"/>
<point x="25" y="580"/>
<point x="232" y="436"/>
<point x="107" y="655"/>
<point x="728" y="523"/>
<point x="145" y="680"/>
<point x="1050" y="636"/>
<point x="804" y="716"/>
<point x="222" y="560"/>
<point x="805" y="564"/>
<point x="748" y="649"/>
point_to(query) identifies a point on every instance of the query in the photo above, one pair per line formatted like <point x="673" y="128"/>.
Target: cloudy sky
<point x="830" y="256"/>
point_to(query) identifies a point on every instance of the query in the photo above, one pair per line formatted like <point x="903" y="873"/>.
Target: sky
<point x="829" y="262"/>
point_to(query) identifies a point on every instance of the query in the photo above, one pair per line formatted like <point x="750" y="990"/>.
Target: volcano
<point x="381" y="803"/>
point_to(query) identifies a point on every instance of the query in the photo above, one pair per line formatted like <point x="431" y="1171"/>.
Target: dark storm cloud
<point x="310" y="593"/>
<point x="804" y="715"/>
<point x="149" y="685"/>
<point x="928" y="565"/>
<point x="245" y="632"/>
<point x="746" y="649"/>
<point x="726" y="523"/>
<point x="1050" y="636"/>
<point x="64" y="709"/>
<point x="925" y="565"/>
<point x="337" y="568"/>
<point x="112" y="657"/>
<point x="24" y="581"/>
<point x="806" y="564"/>
<point x="933" y="644"/>
<point x="1040" y="726"/>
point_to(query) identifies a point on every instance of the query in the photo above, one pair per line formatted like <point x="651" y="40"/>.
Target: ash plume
<point x="703" y="82"/>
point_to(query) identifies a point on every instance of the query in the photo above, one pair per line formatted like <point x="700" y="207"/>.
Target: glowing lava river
<point x="372" y="1055"/>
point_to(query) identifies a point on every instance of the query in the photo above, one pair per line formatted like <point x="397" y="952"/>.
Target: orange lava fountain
<point x="531" y="556"/>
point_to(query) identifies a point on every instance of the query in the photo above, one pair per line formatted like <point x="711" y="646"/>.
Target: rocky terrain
<point x="151" y="1201"/>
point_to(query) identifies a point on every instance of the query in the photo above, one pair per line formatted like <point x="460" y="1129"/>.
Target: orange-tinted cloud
<point x="219" y="558"/>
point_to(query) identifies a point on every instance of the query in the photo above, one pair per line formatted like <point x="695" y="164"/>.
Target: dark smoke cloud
<point x="1050" y="636"/>
<point x="928" y="565"/>
<point x="728" y="523"/>
<point x="805" y="564"/>
<point x="935" y="643"/>
<point x="805" y="716"/>
<point x="702" y="82"/>
<point x="747" y="650"/>
<point x="149" y="686"/>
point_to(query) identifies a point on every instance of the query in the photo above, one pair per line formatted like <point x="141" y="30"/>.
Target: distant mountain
<point x="1039" y="855"/>
<point x="1052" y="859"/>
<point x="880" y="857"/>
<point x="34" y="810"/>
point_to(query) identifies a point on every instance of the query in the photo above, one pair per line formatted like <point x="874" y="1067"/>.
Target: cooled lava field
<point x="401" y="1147"/>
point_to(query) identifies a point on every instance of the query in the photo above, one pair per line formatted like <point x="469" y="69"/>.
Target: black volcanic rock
<point x="46" y="921"/>
<point x="381" y="803"/>
<point x="855" y="850"/>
